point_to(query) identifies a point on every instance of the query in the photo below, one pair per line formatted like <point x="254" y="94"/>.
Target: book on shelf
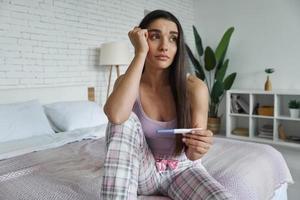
<point x="265" y="136"/>
<point x="260" y="132"/>
<point x="239" y="105"/>
<point x="266" y="128"/>
<point x="244" y="105"/>
<point x="266" y="131"/>
<point x="235" y="108"/>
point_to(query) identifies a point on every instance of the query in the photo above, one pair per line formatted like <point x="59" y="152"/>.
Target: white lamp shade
<point x="114" y="53"/>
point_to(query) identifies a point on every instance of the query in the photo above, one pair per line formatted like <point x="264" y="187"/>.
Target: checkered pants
<point x="130" y="170"/>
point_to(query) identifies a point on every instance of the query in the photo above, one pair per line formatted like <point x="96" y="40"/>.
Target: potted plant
<point x="294" y="107"/>
<point x="211" y="66"/>
<point x="268" y="84"/>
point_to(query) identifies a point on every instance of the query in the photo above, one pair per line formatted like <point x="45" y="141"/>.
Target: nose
<point x="164" y="45"/>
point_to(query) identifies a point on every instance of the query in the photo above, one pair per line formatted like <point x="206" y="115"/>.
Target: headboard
<point x="45" y="94"/>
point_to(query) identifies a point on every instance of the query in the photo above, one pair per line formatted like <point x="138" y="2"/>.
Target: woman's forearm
<point x="119" y="104"/>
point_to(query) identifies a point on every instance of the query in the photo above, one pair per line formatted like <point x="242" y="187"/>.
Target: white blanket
<point x="73" y="171"/>
<point x="247" y="170"/>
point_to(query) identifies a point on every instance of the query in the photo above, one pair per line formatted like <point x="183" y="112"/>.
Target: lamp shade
<point x="114" y="53"/>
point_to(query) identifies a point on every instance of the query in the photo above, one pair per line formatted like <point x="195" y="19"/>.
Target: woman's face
<point x="162" y="41"/>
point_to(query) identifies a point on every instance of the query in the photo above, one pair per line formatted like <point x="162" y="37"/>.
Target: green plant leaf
<point x="197" y="66"/>
<point x="217" y="91"/>
<point x="220" y="63"/>
<point x="223" y="44"/>
<point x="214" y="64"/>
<point x="209" y="59"/>
<point x="269" y="70"/>
<point x="229" y="81"/>
<point x="294" y="104"/>
<point x="198" y="41"/>
<point x="220" y="74"/>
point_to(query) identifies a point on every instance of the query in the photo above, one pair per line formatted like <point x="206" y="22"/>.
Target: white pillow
<point x="71" y="115"/>
<point x="22" y="120"/>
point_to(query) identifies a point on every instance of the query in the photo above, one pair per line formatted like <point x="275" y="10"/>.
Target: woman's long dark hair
<point x="177" y="74"/>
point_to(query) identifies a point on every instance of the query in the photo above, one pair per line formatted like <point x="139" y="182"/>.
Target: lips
<point x="162" y="57"/>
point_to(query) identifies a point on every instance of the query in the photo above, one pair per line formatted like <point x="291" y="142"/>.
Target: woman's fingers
<point x="198" y="149"/>
<point x="208" y="140"/>
<point x="138" y="31"/>
<point x="206" y="133"/>
<point x="196" y="143"/>
<point x="203" y="135"/>
<point x="138" y="38"/>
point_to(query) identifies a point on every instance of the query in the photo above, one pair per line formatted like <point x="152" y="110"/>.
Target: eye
<point x="154" y="36"/>
<point x="173" y="39"/>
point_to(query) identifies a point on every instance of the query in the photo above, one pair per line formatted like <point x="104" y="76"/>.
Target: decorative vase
<point x="268" y="84"/>
<point x="282" y="134"/>
<point x="214" y="124"/>
<point x="294" y="113"/>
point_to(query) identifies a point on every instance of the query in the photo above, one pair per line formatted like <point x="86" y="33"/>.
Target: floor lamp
<point x="114" y="54"/>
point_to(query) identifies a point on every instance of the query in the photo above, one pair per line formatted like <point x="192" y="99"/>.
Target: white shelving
<point x="247" y="126"/>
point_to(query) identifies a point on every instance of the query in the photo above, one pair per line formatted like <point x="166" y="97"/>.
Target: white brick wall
<point x="56" y="42"/>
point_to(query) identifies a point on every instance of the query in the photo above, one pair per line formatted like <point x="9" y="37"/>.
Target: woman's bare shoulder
<point x="198" y="95"/>
<point x="195" y="85"/>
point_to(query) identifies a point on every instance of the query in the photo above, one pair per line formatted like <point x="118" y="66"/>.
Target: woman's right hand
<point x="138" y="38"/>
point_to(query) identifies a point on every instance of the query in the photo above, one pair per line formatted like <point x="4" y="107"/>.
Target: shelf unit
<point x="252" y="123"/>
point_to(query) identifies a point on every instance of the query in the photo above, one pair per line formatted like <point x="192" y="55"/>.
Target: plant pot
<point x="294" y="113"/>
<point x="214" y="124"/>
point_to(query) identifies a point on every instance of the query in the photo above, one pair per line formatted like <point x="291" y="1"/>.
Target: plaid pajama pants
<point x="130" y="170"/>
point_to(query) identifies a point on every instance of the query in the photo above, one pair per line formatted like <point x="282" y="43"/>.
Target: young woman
<point x="156" y="93"/>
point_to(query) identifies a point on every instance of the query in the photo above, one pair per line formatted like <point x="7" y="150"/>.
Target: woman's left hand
<point x="198" y="143"/>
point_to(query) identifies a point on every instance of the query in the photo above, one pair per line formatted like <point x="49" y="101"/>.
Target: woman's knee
<point x="201" y="184"/>
<point x="131" y="127"/>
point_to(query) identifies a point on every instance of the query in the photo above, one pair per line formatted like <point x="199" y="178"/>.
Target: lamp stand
<point x="109" y="79"/>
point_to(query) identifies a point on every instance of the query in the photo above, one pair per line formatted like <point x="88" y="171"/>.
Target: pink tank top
<point x="162" y="146"/>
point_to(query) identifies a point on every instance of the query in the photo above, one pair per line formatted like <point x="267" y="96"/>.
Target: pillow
<point x="71" y="115"/>
<point x="23" y="120"/>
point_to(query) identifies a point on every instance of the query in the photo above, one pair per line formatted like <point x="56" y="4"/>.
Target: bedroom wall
<point x="56" y="42"/>
<point x="266" y="35"/>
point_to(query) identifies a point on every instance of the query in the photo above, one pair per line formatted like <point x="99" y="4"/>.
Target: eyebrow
<point x="159" y="31"/>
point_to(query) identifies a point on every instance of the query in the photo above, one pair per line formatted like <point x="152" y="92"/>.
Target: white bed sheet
<point x="36" y="143"/>
<point x="281" y="193"/>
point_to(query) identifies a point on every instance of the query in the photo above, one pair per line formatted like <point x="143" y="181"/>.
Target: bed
<point x="65" y="161"/>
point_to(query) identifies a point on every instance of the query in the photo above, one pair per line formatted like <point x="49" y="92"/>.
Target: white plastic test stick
<point x="177" y="131"/>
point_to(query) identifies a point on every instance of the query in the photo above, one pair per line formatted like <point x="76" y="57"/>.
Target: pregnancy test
<point x="177" y="131"/>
